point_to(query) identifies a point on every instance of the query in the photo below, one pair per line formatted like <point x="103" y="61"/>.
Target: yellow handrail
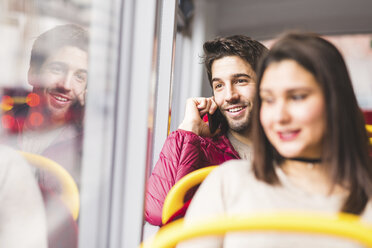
<point x="369" y="128"/>
<point x="174" y="199"/>
<point x="70" y="192"/>
<point x="340" y="225"/>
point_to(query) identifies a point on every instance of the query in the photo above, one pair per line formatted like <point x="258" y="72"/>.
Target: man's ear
<point x="33" y="77"/>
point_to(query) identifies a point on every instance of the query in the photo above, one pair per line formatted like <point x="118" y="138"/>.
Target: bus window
<point x="45" y="67"/>
<point x="77" y="90"/>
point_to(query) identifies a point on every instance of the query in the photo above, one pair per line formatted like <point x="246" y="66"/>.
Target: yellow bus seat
<point x="341" y="225"/>
<point x="70" y="192"/>
<point x="369" y="129"/>
<point x="176" y="195"/>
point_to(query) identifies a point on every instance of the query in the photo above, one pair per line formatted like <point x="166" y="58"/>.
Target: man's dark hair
<point x="236" y="45"/>
<point x="345" y="142"/>
<point x="52" y="40"/>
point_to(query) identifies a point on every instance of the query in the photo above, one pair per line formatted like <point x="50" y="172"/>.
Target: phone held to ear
<point x="215" y="120"/>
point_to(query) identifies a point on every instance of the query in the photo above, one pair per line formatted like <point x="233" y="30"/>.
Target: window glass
<point x="44" y="63"/>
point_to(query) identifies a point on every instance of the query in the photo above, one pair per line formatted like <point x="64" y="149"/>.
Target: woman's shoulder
<point x="236" y="165"/>
<point x="11" y="161"/>
<point x="9" y="156"/>
<point x="367" y="213"/>
<point x="7" y="150"/>
<point x="234" y="169"/>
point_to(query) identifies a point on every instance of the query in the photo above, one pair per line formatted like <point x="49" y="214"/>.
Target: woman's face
<point x="293" y="110"/>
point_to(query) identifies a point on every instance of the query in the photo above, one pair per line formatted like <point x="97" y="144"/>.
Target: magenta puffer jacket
<point x="182" y="153"/>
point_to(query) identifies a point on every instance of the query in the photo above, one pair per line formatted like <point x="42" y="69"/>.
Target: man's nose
<point x="66" y="81"/>
<point x="231" y="94"/>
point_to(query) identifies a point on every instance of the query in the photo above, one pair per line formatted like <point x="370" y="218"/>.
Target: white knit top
<point x="233" y="189"/>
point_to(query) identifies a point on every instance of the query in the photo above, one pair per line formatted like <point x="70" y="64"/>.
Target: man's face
<point x="233" y="83"/>
<point x="61" y="80"/>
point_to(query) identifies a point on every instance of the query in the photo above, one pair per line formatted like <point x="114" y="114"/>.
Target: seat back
<point x="70" y="193"/>
<point x="175" y="197"/>
<point x="342" y="225"/>
<point x="369" y="130"/>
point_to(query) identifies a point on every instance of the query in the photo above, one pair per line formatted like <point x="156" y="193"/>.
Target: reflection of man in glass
<point x="58" y="74"/>
<point x="50" y="122"/>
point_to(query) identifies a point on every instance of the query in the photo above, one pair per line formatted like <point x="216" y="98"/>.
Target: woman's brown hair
<point x="345" y="149"/>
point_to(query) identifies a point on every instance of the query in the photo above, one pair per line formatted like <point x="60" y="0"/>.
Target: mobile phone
<point x="215" y="121"/>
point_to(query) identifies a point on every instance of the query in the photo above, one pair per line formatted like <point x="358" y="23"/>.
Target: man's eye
<point x="80" y="77"/>
<point x="241" y="81"/>
<point x="56" y="69"/>
<point x="217" y="86"/>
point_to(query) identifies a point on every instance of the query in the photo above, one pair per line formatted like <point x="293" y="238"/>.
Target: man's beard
<point x="240" y="126"/>
<point x="74" y="113"/>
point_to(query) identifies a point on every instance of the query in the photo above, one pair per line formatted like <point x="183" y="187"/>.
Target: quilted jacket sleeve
<point x="180" y="155"/>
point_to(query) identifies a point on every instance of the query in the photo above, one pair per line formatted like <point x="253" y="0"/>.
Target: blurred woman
<point x="22" y="213"/>
<point x="310" y="149"/>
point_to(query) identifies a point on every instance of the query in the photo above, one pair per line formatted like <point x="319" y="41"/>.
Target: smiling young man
<point x="50" y="122"/>
<point x="230" y="63"/>
<point x="58" y="73"/>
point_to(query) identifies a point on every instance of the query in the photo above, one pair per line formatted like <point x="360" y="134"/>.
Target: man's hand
<point x="81" y="97"/>
<point x="196" y="108"/>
